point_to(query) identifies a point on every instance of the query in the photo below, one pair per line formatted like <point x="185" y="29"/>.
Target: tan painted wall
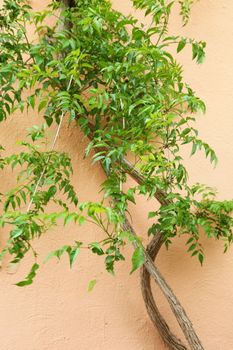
<point x="56" y="312"/>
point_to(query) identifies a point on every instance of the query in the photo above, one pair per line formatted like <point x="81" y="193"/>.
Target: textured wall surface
<point x="56" y="312"/>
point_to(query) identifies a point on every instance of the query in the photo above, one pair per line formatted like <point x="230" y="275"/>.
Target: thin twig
<point x="52" y="148"/>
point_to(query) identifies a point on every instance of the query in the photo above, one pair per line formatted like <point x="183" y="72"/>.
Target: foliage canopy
<point x="117" y="80"/>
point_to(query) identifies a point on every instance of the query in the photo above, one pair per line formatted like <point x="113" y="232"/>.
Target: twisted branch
<point x="176" y="307"/>
<point x="157" y="319"/>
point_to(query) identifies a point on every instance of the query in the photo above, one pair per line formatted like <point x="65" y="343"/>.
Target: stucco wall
<point x="56" y="312"/>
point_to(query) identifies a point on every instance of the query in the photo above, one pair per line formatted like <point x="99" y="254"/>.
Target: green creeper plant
<point x="117" y="81"/>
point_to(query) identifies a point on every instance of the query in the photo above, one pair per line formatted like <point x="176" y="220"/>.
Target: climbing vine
<point x="116" y="80"/>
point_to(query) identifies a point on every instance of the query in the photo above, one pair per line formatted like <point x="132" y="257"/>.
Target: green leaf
<point x="57" y="253"/>
<point x="91" y="285"/>
<point x="30" y="277"/>
<point x="70" y="217"/>
<point x="95" y="248"/>
<point x="189" y="240"/>
<point x="192" y="247"/>
<point x="194" y="148"/>
<point x="73" y="255"/>
<point x="151" y="214"/>
<point x="51" y="191"/>
<point x="181" y="45"/>
<point x="42" y="105"/>
<point x="138" y="258"/>
<point x="201" y="258"/>
<point x="109" y="262"/>
<point x="16" y="233"/>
